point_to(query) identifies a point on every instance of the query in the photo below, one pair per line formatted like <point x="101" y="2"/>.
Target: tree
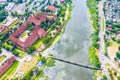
<point x="31" y="49"/>
<point x="104" y="77"/>
<point x="15" y="53"/>
<point x="118" y="77"/>
<point x="43" y="59"/>
<point x="3" y="15"/>
<point x="118" y="55"/>
<point x="46" y="40"/>
<point x="0" y="50"/>
<point x="118" y="41"/>
<point x="115" y="73"/>
<point x="118" y="47"/>
<point x="14" y="14"/>
<point x="17" y="1"/>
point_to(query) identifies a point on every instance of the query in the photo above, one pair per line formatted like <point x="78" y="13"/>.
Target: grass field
<point x="8" y="74"/>
<point x="112" y="50"/>
<point x="24" y="35"/>
<point x="21" y="53"/>
<point x="38" y="43"/>
<point x="27" y="66"/>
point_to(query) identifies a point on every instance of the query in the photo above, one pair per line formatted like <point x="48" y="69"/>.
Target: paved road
<point x="101" y="37"/>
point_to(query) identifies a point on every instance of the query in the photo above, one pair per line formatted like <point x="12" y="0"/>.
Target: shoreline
<point x="92" y="49"/>
<point x="52" y="43"/>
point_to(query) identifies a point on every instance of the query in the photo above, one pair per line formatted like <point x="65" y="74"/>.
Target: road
<point x="101" y="37"/>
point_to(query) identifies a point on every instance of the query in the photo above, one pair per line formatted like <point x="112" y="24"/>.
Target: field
<point x="112" y="50"/>
<point x="27" y="66"/>
<point x="38" y="43"/>
<point x="24" y="35"/>
<point x="8" y="74"/>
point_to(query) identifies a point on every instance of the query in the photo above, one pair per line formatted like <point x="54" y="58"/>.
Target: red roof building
<point x="6" y="65"/>
<point x="109" y="28"/>
<point x="51" y="8"/>
<point x="37" y="19"/>
<point x="42" y="33"/>
<point x="3" y="28"/>
<point x="35" y="34"/>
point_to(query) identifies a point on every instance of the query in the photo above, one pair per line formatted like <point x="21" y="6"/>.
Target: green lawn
<point x="8" y="74"/>
<point x="50" y="62"/>
<point x="24" y="35"/>
<point x="38" y="43"/>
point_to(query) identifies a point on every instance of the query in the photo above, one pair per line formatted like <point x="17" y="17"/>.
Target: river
<point x="73" y="46"/>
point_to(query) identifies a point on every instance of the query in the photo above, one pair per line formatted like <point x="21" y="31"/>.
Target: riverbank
<point x="51" y="44"/>
<point x="58" y="36"/>
<point x="94" y="19"/>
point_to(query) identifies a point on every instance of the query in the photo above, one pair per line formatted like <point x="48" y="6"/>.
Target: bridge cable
<point x="76" y="64"/>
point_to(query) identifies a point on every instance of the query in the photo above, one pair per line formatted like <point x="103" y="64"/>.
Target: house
<point x="109" y="28"/>
<point x="51" y="8"/>
<point x="35" y="34"/>
<point x="10" y="6"/>
<point x="37" y="19"/>
<point x="6" y="65"/>
<point x="62" y="1"/>
<point x="3" y="1"/>
<point x="3" y="28"/>
<point x="42" y="33"/>
<point x="118" y="36"/>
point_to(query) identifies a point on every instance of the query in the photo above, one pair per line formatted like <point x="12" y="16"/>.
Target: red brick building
<point x="37" y="19"/>
<point x="35" y="34"/>
<point x="6" y="65"/>
<point x="51" y="8"/>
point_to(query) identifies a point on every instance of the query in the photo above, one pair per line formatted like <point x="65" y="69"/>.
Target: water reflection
<point x="73" y="46"/>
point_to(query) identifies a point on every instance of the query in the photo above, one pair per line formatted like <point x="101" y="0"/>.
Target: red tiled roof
<point x="35" y="34"/>
<point x="42" y="33"/>
<point x="3" y="28"/>
<point x="109" y="28"/>
<point x="37" y="19"/>
<point x="6" y="65"/>
<point x="52" y="8"/>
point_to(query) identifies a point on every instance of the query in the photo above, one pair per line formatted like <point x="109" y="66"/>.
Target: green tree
<point x="31" y="49"/>
<point x="43" y="59"/>
<point x="118" y="77"/>
<point x="0" y="50"/>
<point x="118" y="47"/>
<point x="15" y="53"/>
<point x="104" y="77"/>
<point x="3" y="15"/>
<point x="118" y="55"/>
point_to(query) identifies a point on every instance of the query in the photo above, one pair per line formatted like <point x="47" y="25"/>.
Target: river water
<point x="73" y="46"/>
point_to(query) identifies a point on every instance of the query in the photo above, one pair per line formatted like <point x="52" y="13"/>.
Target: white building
<point x="3" y="1"/>
<point x="10" y="6"/>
